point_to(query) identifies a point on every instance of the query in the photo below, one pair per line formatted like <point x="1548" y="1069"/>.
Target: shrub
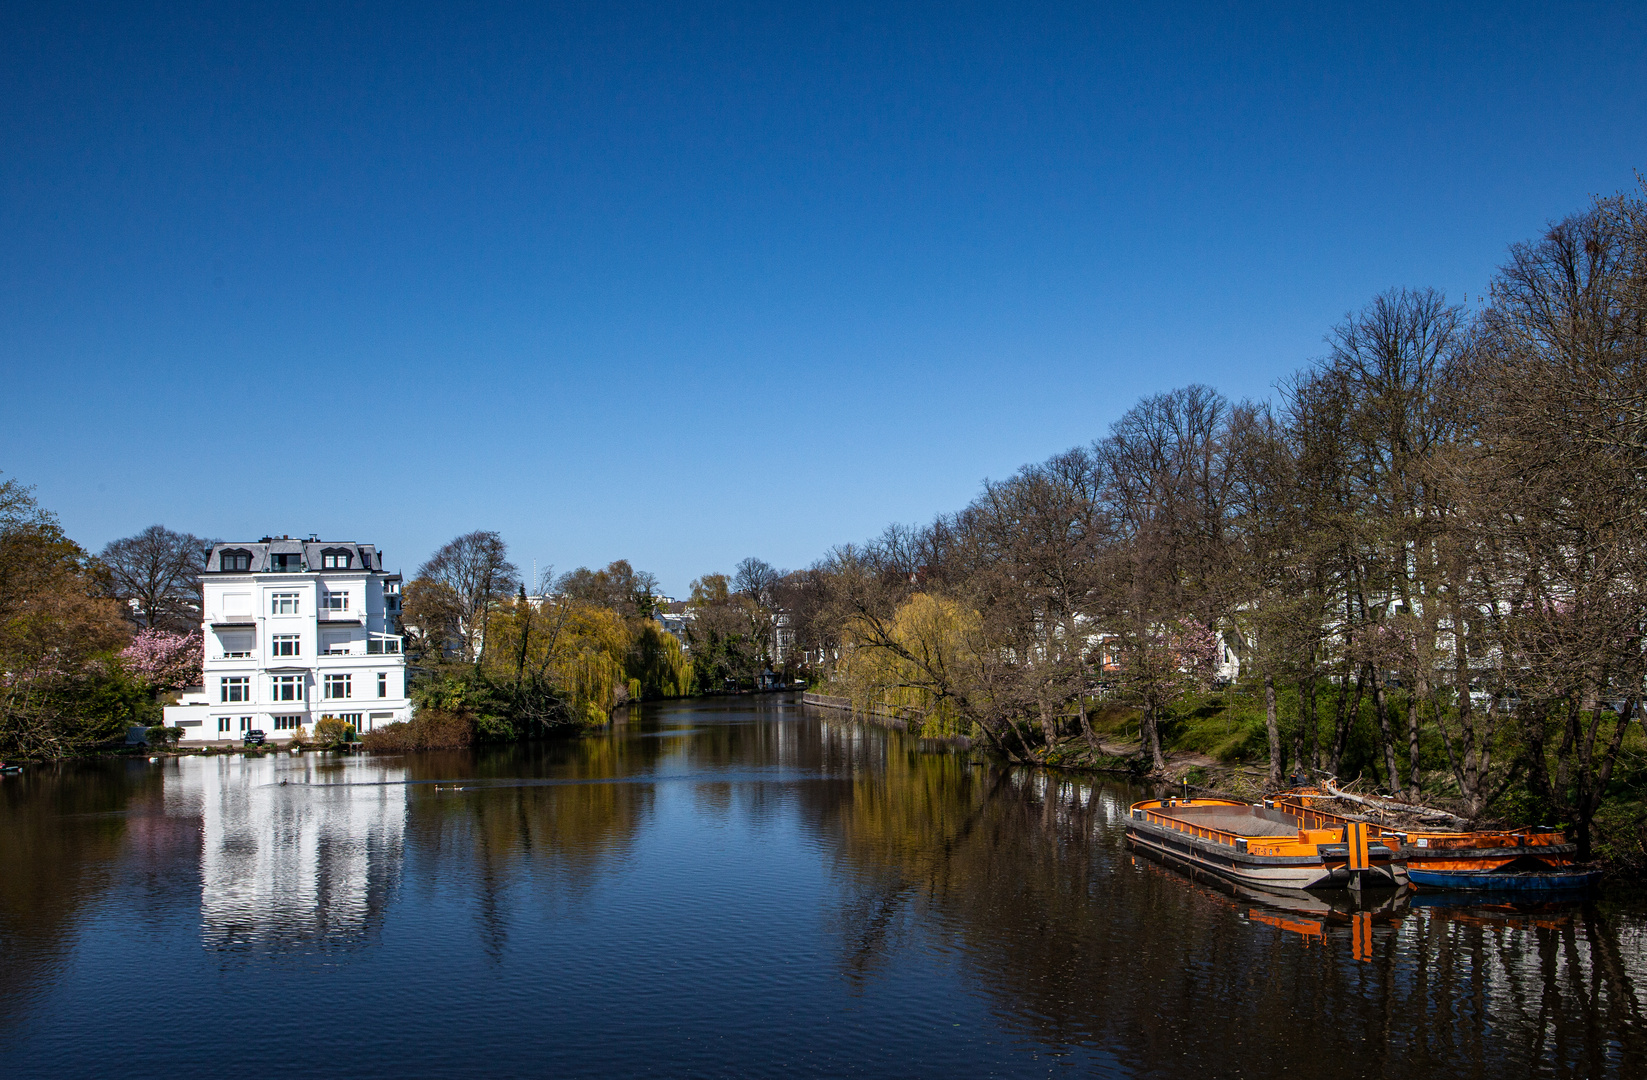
<point x="429" y="729"/>
<point x="160" y="735"/>
<point x="330" y="731"/>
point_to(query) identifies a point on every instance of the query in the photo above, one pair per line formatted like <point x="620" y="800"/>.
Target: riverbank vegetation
<point x="88" y="644"/>
<point x="1422" y="563"/>
<point x="496" y="664"/>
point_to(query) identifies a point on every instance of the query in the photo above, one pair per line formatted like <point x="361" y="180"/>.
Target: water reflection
<point x="718" y="889"/>
<point x="1084" y="945"/>
<point x="296" y="852"/>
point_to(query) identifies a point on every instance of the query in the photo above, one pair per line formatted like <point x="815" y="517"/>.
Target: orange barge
<point x="1267" y="846"/>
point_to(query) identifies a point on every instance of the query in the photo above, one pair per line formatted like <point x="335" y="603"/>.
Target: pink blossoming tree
<point x="166" y="661"/>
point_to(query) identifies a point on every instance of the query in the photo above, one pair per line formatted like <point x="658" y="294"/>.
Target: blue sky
<point x="685" y="283"/>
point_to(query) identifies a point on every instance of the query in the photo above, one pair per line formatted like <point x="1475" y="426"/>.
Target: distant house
<point x="676" y="618"/>
<point x="296" y="631"/>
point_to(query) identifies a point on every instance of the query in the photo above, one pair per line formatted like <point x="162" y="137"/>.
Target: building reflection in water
<point x="295" y="851"/>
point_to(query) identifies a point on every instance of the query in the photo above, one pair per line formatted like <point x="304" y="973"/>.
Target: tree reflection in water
<point x="1024" y="876"/>
<point x="747" y="887"/>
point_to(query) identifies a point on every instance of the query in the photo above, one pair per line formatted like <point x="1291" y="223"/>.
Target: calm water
<point x="730" y="890"/>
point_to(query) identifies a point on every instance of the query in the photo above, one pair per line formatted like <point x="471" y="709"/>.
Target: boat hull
<point x="1261" y="871"/>
<point x="1487" y="881"/>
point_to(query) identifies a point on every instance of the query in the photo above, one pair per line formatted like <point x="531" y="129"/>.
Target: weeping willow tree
<point x="658" y="666"/>
<point x="918" y="666"/>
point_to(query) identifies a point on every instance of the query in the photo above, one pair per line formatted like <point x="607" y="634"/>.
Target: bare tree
<point x="1559" y="490"/>
<point x="157" y="575"/>
<point x="476" y="573"/>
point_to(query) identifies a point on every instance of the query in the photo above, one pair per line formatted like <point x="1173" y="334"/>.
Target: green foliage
<point x="331" y="731"/>
<point x="160" y="735"/>
<point x="657" y="665"/>
<point x="1225" y="727"/>
<point x="492" y="728"/>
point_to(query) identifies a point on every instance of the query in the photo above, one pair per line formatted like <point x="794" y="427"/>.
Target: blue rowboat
<point x="1514" y="881"/>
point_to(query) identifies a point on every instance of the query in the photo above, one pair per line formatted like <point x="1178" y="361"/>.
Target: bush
<point x="330" y="731"/>
<point x="160" y="735"/>
<point x="429" y="729"/>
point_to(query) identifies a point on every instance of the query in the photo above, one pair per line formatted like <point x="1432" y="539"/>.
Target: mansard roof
<point x="361" y="556"/>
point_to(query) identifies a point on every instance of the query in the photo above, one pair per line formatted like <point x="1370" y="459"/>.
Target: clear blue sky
<point x="684" y="283"/>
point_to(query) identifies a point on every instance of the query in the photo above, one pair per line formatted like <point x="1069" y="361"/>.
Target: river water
<point x="733" y="888"/>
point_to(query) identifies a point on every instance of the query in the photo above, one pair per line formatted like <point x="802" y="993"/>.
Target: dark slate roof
<point x="361" y="556"/>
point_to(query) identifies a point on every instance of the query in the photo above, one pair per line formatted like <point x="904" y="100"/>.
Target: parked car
<point x="254" y="737"/>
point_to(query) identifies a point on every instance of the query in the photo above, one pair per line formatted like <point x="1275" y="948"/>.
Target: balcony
<point x="383" y="645"/>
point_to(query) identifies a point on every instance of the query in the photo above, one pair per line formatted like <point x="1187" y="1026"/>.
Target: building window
<point x="236" y="644"/>
<point x="391" y="602"/>
<point x="285" y="564"/>
<point x="336" y="647"/>
<point x="338" y="686"/>
<point x="287" y="687"/>
<point x="288" y="723"/>
<point x="336" y="601"/>
<point x="286" y="645"/>
<point x="223" y="725"/>
<point x="234" y="560"/>
<point x="334" y="560"/>
<point x="283" y="603"/>
<point x="383" y="684"/>
<point x="236" y="688"/>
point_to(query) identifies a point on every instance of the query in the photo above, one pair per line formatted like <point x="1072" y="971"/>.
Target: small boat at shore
<point x="1512" y="860"/>
<point x="1263" y="845"/>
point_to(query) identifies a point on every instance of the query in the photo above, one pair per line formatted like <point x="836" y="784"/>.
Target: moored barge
<point x="1263" y="845"/>
<point x="1509" y="860"/>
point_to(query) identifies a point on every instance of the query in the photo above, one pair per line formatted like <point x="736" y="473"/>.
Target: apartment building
<point x="296" y="631"/>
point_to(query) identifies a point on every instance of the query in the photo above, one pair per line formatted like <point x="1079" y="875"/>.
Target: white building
<point x="296" y="631"/>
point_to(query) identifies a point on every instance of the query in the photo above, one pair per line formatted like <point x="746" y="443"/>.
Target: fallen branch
<point x="1389" y="806"/>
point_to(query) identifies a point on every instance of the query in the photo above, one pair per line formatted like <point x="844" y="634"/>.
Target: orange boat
<point x="1264" y="845"/>
<point x="1522" y="860"/>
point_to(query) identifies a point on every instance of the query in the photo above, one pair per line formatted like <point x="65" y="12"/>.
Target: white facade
<point x="296" y="631"/>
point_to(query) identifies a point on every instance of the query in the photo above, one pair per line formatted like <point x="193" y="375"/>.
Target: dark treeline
<point x="1423" y="557"/>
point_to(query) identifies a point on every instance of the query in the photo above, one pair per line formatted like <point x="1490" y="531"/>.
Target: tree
<point x="60" y="688"/>
<point x="1170" y="481"/>
<point x="1558" y="489"/>
<point x="619" y="588"/>
<point x="164" y="660"/>
<point x="475" y="573"/>
<point x="157" y="574"/>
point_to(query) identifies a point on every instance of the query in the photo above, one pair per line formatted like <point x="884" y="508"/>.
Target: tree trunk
<point x="1386" y="738"/>
<point x="1344" y="720"/>
<point x="1420" y="691"/>
<point x="1152" y="736"/>
<point x="1277" y="767"/>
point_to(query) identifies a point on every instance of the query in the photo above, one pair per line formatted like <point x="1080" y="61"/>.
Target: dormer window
<point x="334" y="559"/>
<point x="234" y="560"/>
<point x="286" y="564"/>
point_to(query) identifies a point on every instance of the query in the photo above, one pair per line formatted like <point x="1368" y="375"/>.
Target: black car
<point x="254" y="737"/>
